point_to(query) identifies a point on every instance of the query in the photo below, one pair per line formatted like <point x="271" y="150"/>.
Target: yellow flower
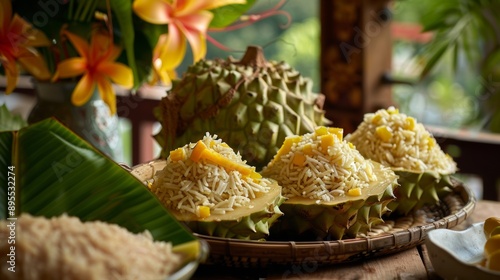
<point x="187" y="20"/>
<point x="17" y="44"/>
<point x="159" y="73"/>
<point x="98" y="67"/>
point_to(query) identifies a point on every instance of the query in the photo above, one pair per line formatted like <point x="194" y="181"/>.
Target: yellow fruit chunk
<point x="492" y="244"/>
<point x="308" y="149"/>
<point x="177" y="154"/>
<point x="287" y="146"/>
<point x="493" y="261"/>
<point x="351" y="145"/>
<point x="391" y="110"/>
<point x="431" y="142"/>
<point x="321" y="130"/>
<point x="201" y="151"/>
<point x="384" y="133"/>
<point x="410" y="123"/>
<point x="203" y="211"/>
<point x="354" y="192"/>
<point x="326" y="141"/>
<point x="337" y="131"/>
<point x="376" y="118"/>
<point x="490" y="224"/>
<point x="299" y="159"/>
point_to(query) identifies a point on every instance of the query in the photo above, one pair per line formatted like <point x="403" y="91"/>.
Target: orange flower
<point x="17" y="44"/>
<point x="187" y="20"/>
<point x="98" y="67"/>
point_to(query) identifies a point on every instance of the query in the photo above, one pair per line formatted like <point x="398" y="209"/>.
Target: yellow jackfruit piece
<point x="177" y="154"/>
<point x="203" y="211"/>
<point x="384" y="133"/>
<point x="354" y="192"/>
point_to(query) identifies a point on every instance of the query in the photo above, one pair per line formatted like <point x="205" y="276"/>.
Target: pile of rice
<point x="324" y="176"/>
<point x="184" y="185"/>
<point x="411" y="146"/>
<point x="65" y="248"/>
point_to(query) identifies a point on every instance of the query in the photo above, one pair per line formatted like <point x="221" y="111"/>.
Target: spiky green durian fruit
<point x="252" y="104"/>
<point x="401" y="143"/>
<point x="332" y="191"/>
<point x="214" y="192"/>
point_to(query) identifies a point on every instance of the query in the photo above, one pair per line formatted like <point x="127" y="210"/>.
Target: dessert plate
<point x="459" y="254"/>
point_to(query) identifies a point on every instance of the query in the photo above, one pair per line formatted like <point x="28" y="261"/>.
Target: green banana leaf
<point x="57" y="172"/>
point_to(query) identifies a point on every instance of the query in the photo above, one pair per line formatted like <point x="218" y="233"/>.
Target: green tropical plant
<point x="470" y="31"/>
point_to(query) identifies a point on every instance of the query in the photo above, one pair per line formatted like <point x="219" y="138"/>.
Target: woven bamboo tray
<point x="392" y="236"/>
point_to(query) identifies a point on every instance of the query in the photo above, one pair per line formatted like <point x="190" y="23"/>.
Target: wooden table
<point x="410" y="264"/>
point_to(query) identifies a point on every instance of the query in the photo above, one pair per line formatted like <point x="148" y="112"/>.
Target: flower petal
<point x="83" y="91"/>
<point x="36" y="66"/>
<point x="37" y="39"/>
<point x="174" y="50"/>
<point x="119" y="73"/>
<point x="81" y="46"/>
<point x="17" y="29"/>
<point x="153" y="11"/>
<point x="12" y="73"/>
<point x="71" y="67"/>
<point x="100" y="47"/>
<point x="107" y="93"/>
<point x="185" y="7"/>
<point x="22" y="33"/>
<point x="164" y="75"/>
<point x="5" y="15"/>
<point x="195" y="34"/>
<point x="198" y="21"/>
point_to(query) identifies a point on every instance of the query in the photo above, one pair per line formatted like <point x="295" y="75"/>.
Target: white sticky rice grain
<point x="409" y="147"/>
<point x="65" y="248"/>
<point x="323" y="177"/>
<point x="193" y="184"/>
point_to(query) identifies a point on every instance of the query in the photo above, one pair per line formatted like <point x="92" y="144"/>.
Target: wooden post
<point x="356" y="55"/>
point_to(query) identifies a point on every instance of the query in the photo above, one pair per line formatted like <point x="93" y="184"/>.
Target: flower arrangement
<point x="99" y="43"/>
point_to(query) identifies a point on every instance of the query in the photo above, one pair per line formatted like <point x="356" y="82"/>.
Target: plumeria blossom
<point x="159" y="73"/>
<point x="97" y="65"/>
<point x="187" y="20"/>
<point x="18" y="40"/>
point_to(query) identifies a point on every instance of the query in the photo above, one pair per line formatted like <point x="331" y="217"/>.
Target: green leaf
<point x="57" y="172"/>
<point x="9" y="121"/>
<point x="226" y="15"/>
<point x="122" y="12"/>
<point x="435" y="57"/>
<point x="5" y="163"/>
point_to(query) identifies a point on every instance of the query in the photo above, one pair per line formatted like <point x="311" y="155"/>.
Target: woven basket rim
<point x="453" y="209"/>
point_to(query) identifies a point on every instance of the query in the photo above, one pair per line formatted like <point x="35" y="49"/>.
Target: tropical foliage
<point x="466" y="36"/>
<point x="148" y="39"/>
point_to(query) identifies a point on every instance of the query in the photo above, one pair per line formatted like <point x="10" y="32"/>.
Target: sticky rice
<point x="185" y="185"/>
<point x="320" y="166"/>
<point x="66" y="248"/>
<point x="399" y="141"/>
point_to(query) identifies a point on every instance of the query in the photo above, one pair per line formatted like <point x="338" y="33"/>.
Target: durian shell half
<point x="251" y="222"/>
<point x="418" y="189"/>
<point x="308" y="219"/>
